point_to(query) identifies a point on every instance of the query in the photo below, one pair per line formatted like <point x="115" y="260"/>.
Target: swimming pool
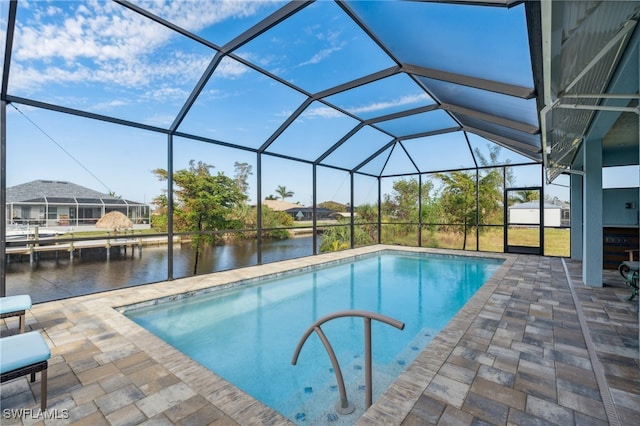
<point x="247" y="333"/>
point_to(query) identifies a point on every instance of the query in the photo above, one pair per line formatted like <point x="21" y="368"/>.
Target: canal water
<point x="61" y="277"/>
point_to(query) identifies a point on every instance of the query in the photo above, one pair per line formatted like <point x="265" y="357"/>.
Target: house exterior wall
<point x="70" y="215"/>
<point x="621" y="207"/>
<point x="552" y="217"/>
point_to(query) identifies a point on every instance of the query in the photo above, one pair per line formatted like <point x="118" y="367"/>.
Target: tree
<point x="271" y="197"/>
<point x="494" y="159"/>
<point x="458" y="199"/>
<point x="491" y="185"/>
<point x="242" y="173"/>
<point x="402" y="205"/>
<point x="333" y="205"/>
<point x="524" y="196"/>
<point x="490" y="195"/>
<point x="202" y="202"/>
<point x="283" y="193"/>
<point x="366" y="218"/>
<point x="273" y="221"/>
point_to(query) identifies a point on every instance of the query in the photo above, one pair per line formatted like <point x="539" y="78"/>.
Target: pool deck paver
<point x="520" y="352"/>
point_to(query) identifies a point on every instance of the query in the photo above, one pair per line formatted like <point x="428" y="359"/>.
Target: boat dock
<point x="32" y="248"/>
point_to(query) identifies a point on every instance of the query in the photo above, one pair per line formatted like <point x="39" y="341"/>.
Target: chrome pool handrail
<point x="344" y="406"/>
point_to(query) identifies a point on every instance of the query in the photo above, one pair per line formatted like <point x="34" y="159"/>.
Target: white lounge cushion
<point x="21" y="350"/>
<point x="21" y="302"/>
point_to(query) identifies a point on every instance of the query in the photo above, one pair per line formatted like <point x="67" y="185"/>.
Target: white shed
<point x="555" y="214"/>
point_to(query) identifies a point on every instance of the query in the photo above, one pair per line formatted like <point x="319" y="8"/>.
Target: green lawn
<point x="557" y="241"/>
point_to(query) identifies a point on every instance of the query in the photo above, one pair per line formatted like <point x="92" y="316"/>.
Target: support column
<point x="592" y="256"/>
<point x="3" y="197"/>
<point x="576" y="217"/>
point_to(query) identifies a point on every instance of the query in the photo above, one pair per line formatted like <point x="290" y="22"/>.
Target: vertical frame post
<point x="379" y="210"/>
<point x="353" y="210"/>
<point x="420" y="210"/>
<point x="259" y="207"/>
<point x="170" y="207"/>
<point x="314" y="211"/>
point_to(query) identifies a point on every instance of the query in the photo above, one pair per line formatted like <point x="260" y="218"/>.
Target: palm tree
<point x="283" y="193"/>
<point x="526" y="195"/>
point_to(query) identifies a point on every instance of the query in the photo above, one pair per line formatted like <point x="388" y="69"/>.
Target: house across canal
<point x="52" y="203"/>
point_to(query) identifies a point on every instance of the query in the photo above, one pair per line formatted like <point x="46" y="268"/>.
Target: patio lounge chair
<point x="630" y="271"/>
<point x="15" y="306"/>
<point x="23" y="354"/>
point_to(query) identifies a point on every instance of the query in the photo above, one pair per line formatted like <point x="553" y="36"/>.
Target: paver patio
<point x="520" y="352"/>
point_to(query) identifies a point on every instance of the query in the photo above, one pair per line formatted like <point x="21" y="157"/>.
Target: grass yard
<point x="556" y="241"/>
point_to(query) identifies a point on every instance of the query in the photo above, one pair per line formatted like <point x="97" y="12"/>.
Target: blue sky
<point x="100" y="57"/>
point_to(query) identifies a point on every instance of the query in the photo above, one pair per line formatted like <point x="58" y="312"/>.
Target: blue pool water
<point x="247" y="334"/>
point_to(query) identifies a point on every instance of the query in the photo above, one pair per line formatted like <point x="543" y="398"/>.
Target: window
<point x="621" y="177"/>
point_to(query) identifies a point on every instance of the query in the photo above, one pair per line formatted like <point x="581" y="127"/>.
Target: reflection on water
<point x="61" y="277"/>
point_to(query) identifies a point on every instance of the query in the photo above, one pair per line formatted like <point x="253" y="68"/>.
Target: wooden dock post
<point x="35" y="249"/>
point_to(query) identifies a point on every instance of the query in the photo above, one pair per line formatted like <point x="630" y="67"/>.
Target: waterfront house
<point x="306" y="213"/>
<point x="279" y="206"/>
<point x="297" y="211"/>
<point x="54" y="203"/>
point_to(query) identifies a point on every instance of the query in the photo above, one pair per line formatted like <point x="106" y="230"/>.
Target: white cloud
<point x="30" y="78"/>
<point x="279" y="56"/>
<point x="109" y="105"/>
<point x="166" y="92"/>
<point x="317" y="111"/>
<point x="329" y="38"/>
<point x="318" y="57"/>
<point x="103" y="43"/>
<point x="229" y="68"/>
<point x="52" y="11"/>
<point x="321" y="112"/>
<point x="196" y="15"/>
<point x="405" y="100"/>
<point x="160" y="120"/>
